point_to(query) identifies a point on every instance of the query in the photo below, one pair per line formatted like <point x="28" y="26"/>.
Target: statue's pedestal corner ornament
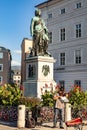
<point x="45" y="70"/>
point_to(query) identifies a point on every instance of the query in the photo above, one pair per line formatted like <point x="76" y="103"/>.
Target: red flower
<point x="46" y="85"/>
<point x="21" y="87"/>
<point x="57" y="86"/>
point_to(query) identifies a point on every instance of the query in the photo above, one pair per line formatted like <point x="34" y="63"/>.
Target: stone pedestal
<point x="39" y="75"/>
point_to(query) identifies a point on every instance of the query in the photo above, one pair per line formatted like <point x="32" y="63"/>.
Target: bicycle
<point x="29" y="121"/>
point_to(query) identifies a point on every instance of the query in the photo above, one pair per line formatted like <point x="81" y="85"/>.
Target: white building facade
<point x="67" y="24"/>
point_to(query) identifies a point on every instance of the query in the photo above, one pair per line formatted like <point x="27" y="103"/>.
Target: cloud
<point x="17" y="51"/>
<point x="16" y="58"/>
<point x="15" y="63"/>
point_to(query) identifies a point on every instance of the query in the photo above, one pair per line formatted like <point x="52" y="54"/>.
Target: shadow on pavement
<point x="11" y="124"/>
<point x="47" y="126"/>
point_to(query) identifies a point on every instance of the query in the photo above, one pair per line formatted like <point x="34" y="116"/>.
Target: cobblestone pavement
<point x="45" y="126"/>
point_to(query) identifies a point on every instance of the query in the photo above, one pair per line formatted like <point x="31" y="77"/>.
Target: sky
<point x="15" y="19"/>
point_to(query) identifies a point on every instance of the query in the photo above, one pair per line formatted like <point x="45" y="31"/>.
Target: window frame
<point x="1" y="55"/>
<point x="50" y="37"/>
<point x="1" y="66"/>
<point x="77" y="83"/>
<point x="78" y="5"/>
<point x="62" y="11"/>
<point x="1" y="79"/>
<point x="62" y="84"/>
<point x="78" y="30"/>
<point x="62" y="58"/>
<point x="49" y="15"/>
<point x="78" y="56"/>
<point x="62" y="34"/>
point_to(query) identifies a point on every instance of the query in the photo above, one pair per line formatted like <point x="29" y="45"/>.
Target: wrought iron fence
<point x="43" y="114"/>
<point x="75" y="112"/>
<point x="8" y="113"/>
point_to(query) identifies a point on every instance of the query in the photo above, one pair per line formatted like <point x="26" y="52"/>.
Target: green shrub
<point x="9" y="95"/>
<point x="77" y="97"/>
<point x="29" y="102"/>
<point x="47" y="99"/>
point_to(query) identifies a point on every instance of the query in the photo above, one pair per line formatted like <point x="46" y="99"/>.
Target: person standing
<point x="58" y="109"/>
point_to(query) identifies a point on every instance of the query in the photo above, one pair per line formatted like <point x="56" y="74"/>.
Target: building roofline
<point x="2" y="48"/>
<point x="47" y="3"/>
<point x="42" y="3"/>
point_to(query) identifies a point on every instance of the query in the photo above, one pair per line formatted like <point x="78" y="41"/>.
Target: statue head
<point x="37" y="12"/>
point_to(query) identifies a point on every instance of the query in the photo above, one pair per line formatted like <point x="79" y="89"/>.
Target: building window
<point x="50" y="16"/>
<point x="78" y="30"/>
<point x="50" y="37"/>
<point x="78" y="56"/>
<point x="62" y="58"/>
<point x="62" y="84"/>
<point x="62" y="34"/>
<point x="19" y="77"/>
<point x="1" y="55"/>
<point x="63" y="11"/>
<point x="18" y="81"/>
<point x="14" y="81"/>
<point x="77" y="83"/>
<point x="1" y="79"/>
<point x="14" y="77"/>
<point x="1" y="67"/>
<point x="78" y="5"/>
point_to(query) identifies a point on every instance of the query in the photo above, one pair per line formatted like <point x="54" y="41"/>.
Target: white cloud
<point x="16" y="58"/>
<point x="17" y="51"/>
<point x="15" y="63"/>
